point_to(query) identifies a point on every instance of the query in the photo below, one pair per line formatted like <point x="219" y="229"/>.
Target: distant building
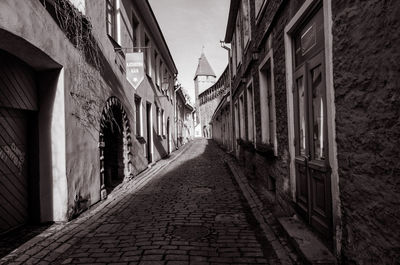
<point x="184" y="119"/>
<point x="208" y="102"/>
<point x="203" y="79"/>
<point x="208" y="93"/>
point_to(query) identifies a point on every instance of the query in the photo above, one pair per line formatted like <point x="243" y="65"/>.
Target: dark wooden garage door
<point x="18" y="103"/>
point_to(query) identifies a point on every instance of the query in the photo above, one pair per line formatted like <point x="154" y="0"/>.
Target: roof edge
<point x="162" y="35"/>
<point x="230" y="27"/>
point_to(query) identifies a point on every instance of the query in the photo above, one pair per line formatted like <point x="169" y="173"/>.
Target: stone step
<point x="306" y="243"/>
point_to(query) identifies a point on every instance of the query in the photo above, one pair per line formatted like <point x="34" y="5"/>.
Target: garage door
<point x="18" y="105"/>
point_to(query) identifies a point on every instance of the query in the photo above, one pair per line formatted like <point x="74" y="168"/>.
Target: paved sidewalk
<point x="189" y="211"/>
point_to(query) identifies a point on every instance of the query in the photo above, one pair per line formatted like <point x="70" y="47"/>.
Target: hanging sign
<point x="134" y="68"/>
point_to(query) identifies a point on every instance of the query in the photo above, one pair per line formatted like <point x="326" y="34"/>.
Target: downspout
<point x="176" y="88"/>
<point x="223" y="45"/>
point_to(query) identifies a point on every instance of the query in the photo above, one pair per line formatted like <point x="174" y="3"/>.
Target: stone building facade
<point x="315" y="104"/>
<point x="208" y="102"/>
<point x="73" y="126"/>
<point x="203" y="79"/>
<point x="184" y="118"/>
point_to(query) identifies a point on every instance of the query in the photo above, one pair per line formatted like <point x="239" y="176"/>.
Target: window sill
<point x="117" y="46"/>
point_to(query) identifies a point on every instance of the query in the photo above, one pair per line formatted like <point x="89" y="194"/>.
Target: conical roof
<point x="204" y="67"/>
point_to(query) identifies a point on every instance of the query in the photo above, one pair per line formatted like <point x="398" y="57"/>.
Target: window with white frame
<point x="250" y="113"/>
<point x="233" y="54"/>
<point x="111" y="18"/>
<point x="259" y="6"/>
<point x="237" y="121"/>
<point x="163" y="121"/>
<point x="147" y="51"/>
<point x="238" y="40"/>
<point x="138" y="116"/>
<point x="158" y="120"/>
<point x="135" y="32"/>
<point x="246" y="22"/>
<point x="267" y="101"/>
<point x="156" y="70"/>
<point x="242" y="118"/>
<point x="80" y="5"/>
<point x="160" y="77"/>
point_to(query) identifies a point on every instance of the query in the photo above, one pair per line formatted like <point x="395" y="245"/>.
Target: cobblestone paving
<point x="190" y="213"/>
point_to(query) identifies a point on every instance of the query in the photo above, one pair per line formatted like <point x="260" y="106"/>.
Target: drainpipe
<point x="223" y="45"/>
<point x="176" y="88"/>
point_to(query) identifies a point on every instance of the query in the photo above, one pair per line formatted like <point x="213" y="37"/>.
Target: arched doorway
<point x="115" y="153"/>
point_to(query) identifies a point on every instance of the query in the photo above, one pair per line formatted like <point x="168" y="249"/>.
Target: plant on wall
<point x="86" y="90"/>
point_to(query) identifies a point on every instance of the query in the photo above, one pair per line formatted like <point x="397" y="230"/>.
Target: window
<point x="233" y="55"/>
<point x="160" y="78"/>
<point x="111" y="18"/>
<point x="237" y="122"/>
<point x="246" y="22"/>
<point x="138" y="113"/>
<point x="259" y="5"/>
<point x="163" y="122"/>
<point x="238" y="41"/>
<point x="158" y="120"/>
<point x="156" y="70"/>
<point x="242" y="118"/>
<point x="147" y="54"/>
<point x="80" y="5"/>
<point x="250" y="113"/>
<point x="135" y="33"/>
<point x="267" y="101"/>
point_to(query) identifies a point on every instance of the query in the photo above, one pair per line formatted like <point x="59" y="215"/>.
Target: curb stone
<point x="256" y="208"/>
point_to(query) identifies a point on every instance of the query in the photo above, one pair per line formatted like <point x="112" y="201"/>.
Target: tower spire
<point x="204" y="68"/>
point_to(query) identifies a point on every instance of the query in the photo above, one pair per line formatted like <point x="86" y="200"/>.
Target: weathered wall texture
<point x="85" y="87"/>
<point x="277" y="168"/>
<point x="367" y="90"/>
<point x="206" y="111"/>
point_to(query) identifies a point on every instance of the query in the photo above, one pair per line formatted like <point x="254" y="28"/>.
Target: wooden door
<point x="313" y="185"/>
<point x="18" y="105"/>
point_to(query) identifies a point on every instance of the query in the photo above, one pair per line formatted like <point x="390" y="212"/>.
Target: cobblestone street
<point x="191" y="212"/>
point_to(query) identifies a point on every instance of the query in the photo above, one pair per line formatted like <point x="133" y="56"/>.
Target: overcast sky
<point x="187" y="25"/>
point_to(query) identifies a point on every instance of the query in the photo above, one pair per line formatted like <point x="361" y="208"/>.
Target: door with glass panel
<point x="313" y="184"/>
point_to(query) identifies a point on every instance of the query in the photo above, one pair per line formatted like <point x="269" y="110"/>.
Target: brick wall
<point x="366" y="56"/>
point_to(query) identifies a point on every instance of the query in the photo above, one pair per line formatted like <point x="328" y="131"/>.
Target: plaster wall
<point x="74" y="98"/>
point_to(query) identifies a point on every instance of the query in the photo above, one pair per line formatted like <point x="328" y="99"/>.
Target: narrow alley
<point x="191" y="212"/>
<point x="199" y="132"/>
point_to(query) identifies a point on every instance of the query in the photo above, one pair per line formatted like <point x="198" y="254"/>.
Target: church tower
<point x="203" y="79"/>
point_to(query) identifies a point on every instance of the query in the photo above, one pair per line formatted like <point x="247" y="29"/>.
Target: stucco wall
<point x="85" y="89"/>
<point x="366" y="65"/>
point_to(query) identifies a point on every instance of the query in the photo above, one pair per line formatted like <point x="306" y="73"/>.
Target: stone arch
<point x="115" y="146"/>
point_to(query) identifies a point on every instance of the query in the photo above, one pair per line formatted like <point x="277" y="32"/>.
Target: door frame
<point x="305" y="10"/>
